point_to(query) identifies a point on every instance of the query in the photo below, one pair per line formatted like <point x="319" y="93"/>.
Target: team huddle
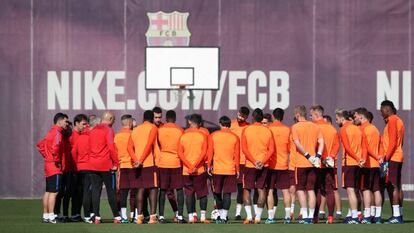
<point x="154" y="161"/>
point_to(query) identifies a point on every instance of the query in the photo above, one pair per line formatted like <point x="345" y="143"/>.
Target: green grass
<point x="25" y="216"/>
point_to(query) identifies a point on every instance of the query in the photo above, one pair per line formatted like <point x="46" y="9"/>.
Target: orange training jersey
<point x="308" y="134"/>
<point x="331" y="140"/>
<point x="168" y="137"/>
<point x="237" y="128"/>
<point x="144" y="138"/>
<point x="224" y="152"/>
<point x="393" y="138"/>
<point x="281" y="138"/>
<point x="352" y="141"/>
<point x="122" y="141"/>
<point x="257" y="144"/>
<point x="192" y="150"/>
<point x="372" y="144"/>
<point x="293" y="154"/>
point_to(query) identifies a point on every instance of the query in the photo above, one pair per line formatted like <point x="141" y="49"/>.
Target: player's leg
<point x="173" y="200"/>
<point x="153" y="196"/>
<point x="311" y="188"/>
<point x="161" y="205"/>
<point x="67" y="195"/>
<point x="109" y="178"/>
<point x="261" y="180"/>
<point x="133" y="203"/>
<point x="87" y="195"/>
<point x="45" y="208"/>
<point x="301" y="180"/>
<point x="180" y="205"/>
<point x="76" y="198"/>
<point x="366" y="195"/>
<point x="123" y="204"/>
<point x="140" y="202"/>
<point x="270" y="205"/>
<point x="51" y="197"/>
<point x="329" y="193"/>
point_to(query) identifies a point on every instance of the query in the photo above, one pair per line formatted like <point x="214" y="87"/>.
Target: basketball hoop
<point x="180" y="92"/>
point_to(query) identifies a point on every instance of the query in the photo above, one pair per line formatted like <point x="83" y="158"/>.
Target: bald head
<point x="108" y="118"/>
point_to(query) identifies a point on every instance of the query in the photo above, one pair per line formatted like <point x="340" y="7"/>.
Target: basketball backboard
<point x="193" y="68"/>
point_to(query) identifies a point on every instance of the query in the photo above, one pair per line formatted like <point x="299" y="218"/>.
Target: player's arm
<point x="335" y="147"/>
<point x="245" y="148"/>
<point x="321" y="144"/>
<point x="56" y="147"/>
<point x="202" y="156"/>
<point x="210" y="152"/>
<point x="41" y="147"/>
<point x="346" y="145"/>
<point x="271" y="149"/>
<point x="237" y="154"/>
<point x="392" y="135"/>
<point x="131" y="150"/>
<point x="74" y="152"/>
<point x="111" y="146"/>
<point x="181" y="155"/>
<point x="150" y="144"/>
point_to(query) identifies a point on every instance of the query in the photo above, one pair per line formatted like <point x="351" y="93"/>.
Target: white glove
<point x="311" y="159"/>
<point x="330" y="162"/>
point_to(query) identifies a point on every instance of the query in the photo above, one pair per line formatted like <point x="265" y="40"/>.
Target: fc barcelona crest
<point x="168" y="29"/>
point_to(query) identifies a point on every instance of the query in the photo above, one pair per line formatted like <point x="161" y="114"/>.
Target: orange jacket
<point x="257" y="144"/>
<point x="352" y="142"/>
<point x="122" y="142"/>
<point x="192" y="150"/>
<point x="331" y="140"/>
<point x="168" y="137"/>
<point x="308" y="134"/>
<point x="372" y="144"/>
<point x="144" y="138"/>
<point x="281" y="138"/>
<point x="393" y="139"/>
<point x="237" y="128"/>
<point x="224" y="152"/>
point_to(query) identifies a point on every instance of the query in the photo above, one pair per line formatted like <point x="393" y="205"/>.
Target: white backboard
<point x="197" y="68"/>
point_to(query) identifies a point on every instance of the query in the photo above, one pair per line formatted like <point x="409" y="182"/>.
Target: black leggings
<point x="85" y="178"/>
<point x="223" y="201"/>
<point x="109" y="179"/>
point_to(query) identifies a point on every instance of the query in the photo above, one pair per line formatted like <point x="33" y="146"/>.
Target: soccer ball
<point x="215" y="214"/>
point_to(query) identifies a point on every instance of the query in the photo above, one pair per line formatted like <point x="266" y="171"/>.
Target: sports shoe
<point x="248" y="221"/>
<point x="292" y="217"/>
<point x="97" y="221"/>
<point x="302" y="221"/>
<point x="64" y="219"/>
<point x="140" y="219"/>
<point x="218" y="220"/>
<point x="376" y="220"/>
<point x="346" y="219"/>
<point x="195" y="217"/>
<point x="270" y="221"/>
<point x="394" y="220"/>
<point x="299" y="217"/>
<point x="124" y="221"/>
<point x="322" y="216"/>
<point x="360" y="217"/>
<point x="338" y="216"/>
<point x="87" y="220"/>
<point x="257" y="221"/>
<point x="181" y="221"/>
<point x="353" y="221"/>
<point x="287" y="221"/>
<point x="330" y="220"/>
<point x="45" y="220"/>
<point x="205" y="221"/>
<point x="366" y="220"/>
<point x="53" y="221"/>
<point x="238" y="218"/>
<point x="76" y="218"/>
<point x="308" y="221"/>
<point x="162" y="220"/>
<point x="153" y="220"/>
<point x="117" y="221"/>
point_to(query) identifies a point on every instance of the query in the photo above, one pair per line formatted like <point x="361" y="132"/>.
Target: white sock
<point x="118" y="218"/>
<point x="123" y="213"/>
<point x="255" y="208"/>
<point x="401" y="211"/>
<point x="349" y="213"/>
<point x="339" y="212"/>
<point x="131" y="215"/>
<point x="367" y="212"/>
<point x="179" y="217"/>
<point x="354" y="213"/>
<point x="378" y="210"/>
<point x="238" y="209"/>
<point x="396" y="210"/>
<point x="259" y="213"/>
<point x="321" y="212"/>
<point x="45" y="215"/>
<point x="52" y="216"/>
<point x="292" y="208"/>
<point x="287" y="212"/>
<point x="223" y="214"/>
<point x="304" y="212"/>
<point x="91" y="215"/>
<point x="203" y="215"/>
<point x="176" y="213"/>
<point x="372" y="210"/>
<point x="97" y="217"/>
<point x="248" y="209"/>
<point x="270" y="214"/>
<point x="190" y="217"/>
<point x="136" y="213"/>
<point x="274" y="209"/>
<point x="311" y="213"/>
